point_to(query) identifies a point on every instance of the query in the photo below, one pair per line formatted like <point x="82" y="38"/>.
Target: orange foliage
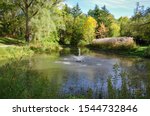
<point x="102" y="31"/>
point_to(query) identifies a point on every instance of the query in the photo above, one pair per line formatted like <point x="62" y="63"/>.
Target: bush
<point x="15" y="52"/>
<point x="44" y="46"/>
<point x="122" y="43"/>
<point x="147" y="52"/>
<point x="82" y="43"/>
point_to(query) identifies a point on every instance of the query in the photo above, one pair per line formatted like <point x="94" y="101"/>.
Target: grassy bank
<point x="139" y="51"/>
<point x="13" y="48"/>
<point x="121" y="45"/>
<point x="14" y="52"/>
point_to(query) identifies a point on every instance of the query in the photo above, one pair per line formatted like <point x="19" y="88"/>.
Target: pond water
<point x="82" y="73"/>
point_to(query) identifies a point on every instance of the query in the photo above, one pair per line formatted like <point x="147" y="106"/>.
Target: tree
<point x="114" y="30"/>
<point x="137" y="26"/>
<point x="10" y="18"/>
<point x="76" y="11"/>
<point x="78" y="20"/>
<point x="105" y="9"/>
<point x="124" y="26"/>
<point x="101" y="31"/>
<point x="74" y="21"/>
<point x="30" y="9"/>
<point x="66" y="33"/>
<point x="77" y="32"/>
<point x="102" y="16"/>
<point x="66" y="9"/>
<point x="89" y="29"/>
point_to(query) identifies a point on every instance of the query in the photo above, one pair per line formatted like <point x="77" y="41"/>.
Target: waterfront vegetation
<point x="45" y="27"/>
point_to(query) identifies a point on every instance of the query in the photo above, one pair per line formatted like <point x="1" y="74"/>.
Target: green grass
<point x="3" y="52"/>
<point x="14" y="52"/>
<point x="138" y="51"/>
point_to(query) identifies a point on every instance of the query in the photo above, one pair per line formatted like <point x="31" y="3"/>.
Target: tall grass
<point x="128" y="88"/>
<point x="122" y="43"/>
<point x="15" y="52"/>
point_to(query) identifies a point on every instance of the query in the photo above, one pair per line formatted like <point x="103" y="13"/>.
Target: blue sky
<point x="117" y="7"/>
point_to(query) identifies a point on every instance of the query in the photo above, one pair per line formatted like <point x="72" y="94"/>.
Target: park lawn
<point x="5" y="45"/>
<point x="13" y="48"/>
<point x="3" y="52"/>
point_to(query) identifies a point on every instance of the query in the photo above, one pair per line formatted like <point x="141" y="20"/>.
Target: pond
<point x="78" y="73"/>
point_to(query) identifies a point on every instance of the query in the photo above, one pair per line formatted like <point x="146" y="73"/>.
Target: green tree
<point x="124" y="26"/>
<point x="11" y="19"/>
<point x="66" y="33"/>
<point x="114" y="30"/>
<point x="77" y="32"/>
<point x="76" y="11"/>
<point x="73" y="20"/>
<point x="77" y="24"/>
<point x="30" y="9"/>
<point x="102" y="16"/>
<point x="138" y="27"/>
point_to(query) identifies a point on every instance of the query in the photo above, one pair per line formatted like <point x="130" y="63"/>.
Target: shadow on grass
<point x="10" y="41"/>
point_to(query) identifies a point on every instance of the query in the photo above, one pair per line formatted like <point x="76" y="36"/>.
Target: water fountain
<point x="78" y="58"/>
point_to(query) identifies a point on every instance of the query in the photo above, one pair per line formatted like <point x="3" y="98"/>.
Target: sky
<point x="117" y="7"/>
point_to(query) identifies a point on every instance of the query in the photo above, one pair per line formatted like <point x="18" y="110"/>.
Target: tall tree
<point x="30" y="8"/>
<point x="104" y="8"/>
<point x="89" y="29"/>
<point x="103" y="17"/>
<point x="114" y="30"/>
<point x="76" y="11"/>
<point x="9" y="15"/>
<point x="77" y="23"/>
<point x="101" y="31"/>
<point x="124" y="26"/>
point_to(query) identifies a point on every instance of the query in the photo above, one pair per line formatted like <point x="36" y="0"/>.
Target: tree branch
<point x="145" y="24"/>
<point x="55" y="3"/>
<point x="34" y="14"/>
<point x="30" y="3"/>
<point x="21" y="6"/>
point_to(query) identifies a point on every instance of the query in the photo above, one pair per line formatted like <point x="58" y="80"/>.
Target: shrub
<point x="122" y="43"/>
<point x="147" y="52"/>
<point x="45" y="45"/>
<point x="15" y="52"/>
<point x="82" y="43"/>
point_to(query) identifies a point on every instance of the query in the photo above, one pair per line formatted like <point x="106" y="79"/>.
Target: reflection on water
<point x="97" y="75"/>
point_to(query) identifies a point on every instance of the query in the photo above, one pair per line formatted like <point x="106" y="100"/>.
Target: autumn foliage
<point x="89" y="29"/>
<point x="102" y="31"/>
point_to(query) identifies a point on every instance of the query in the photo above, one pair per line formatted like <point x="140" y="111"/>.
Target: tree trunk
<point x="27" y="30"/>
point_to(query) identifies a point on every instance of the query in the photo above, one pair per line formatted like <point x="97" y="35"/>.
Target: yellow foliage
<point x="90" y="23"/>
<point x="89" y="29"/>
